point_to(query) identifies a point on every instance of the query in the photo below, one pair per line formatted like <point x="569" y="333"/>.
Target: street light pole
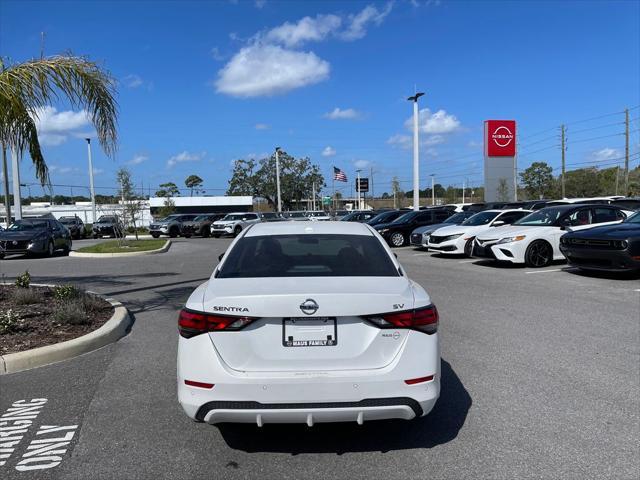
<point x="17" y="203"/>
<point x="416" y="162"/>
<point x="278" y="178"/>
<point x="93" y="192"/>
<point x="358" y="189"/>
<point x="433" y="192"/>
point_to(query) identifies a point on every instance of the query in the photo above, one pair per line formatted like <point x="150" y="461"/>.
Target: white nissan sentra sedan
<point x="308" y="323"/>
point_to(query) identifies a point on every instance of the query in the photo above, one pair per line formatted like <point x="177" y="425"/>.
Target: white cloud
<point x="605" y="154"/>
<point x="266" y="70"/>
<point x="401" y="141"/>
<point x="305" y="30"/>
<point x="216" y="54"/>
<point x="328" y="152"/>
<point x="358" y="23"/>
<point x="55" y="127"/>
<point x="97" y="171"/>
<point x="262" y="126"/>
<point x="361" y="163"/>
<point x="260" y="3"/>
<point x="406" y="142"/>
<point x="133" y="81"/>
<point x="185" y="156"/>
<point x="432" y="140"/>
<point x="438" y="122"/>
<point x="269" y="65"/>
<point x="59" y="169"/>
<point x="339" y="114"/>
<point x="51" y="140"/>
<point x="138" y="159"/>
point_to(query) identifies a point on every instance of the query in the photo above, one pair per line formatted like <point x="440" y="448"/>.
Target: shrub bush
<point x="24" y="280"/>
<point x="64" y="293"/>
<point x="9" y="321"/>
<point x="89" y="303"/>
<point x="27" y="296"/>
<point x="70" y="313"/>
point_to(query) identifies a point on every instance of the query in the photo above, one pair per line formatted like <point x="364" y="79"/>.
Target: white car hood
<point x="510" y="231"/>
<point x="458" y="229"/>
<point x="281" y="297"/>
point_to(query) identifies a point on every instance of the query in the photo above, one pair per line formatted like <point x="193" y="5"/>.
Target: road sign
<point x="362" y="185"/>
<point x="326" y="200"/>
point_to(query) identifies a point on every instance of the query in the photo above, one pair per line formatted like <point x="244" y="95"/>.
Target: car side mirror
<point x="220" y="256"/>
<point x="498" y="223"/>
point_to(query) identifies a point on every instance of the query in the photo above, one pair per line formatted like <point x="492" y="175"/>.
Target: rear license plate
<point x="309" y="332"/>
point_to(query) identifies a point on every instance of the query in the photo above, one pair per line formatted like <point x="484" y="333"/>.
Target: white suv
<point x="234" y="223"/>
<point x="304" y="323"/>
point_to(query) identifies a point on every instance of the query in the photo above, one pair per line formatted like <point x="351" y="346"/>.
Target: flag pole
<point x="333" y="184"/>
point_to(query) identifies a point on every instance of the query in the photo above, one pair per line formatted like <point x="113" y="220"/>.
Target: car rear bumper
<point x="312" y="413"/>
<point x="604" y="260"/>
<point x="308" y="396"/>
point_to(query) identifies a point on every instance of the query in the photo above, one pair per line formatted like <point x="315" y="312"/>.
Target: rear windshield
<point x="308" y="256"/>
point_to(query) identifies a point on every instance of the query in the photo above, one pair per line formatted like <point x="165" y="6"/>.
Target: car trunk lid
<point x="289" y="338"/>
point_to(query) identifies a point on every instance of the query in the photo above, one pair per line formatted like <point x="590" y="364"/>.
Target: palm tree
<point x="26" y="88"/>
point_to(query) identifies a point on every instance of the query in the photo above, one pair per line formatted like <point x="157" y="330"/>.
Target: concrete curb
<point x="114" y="329"/>
<point x="162" y="249"/>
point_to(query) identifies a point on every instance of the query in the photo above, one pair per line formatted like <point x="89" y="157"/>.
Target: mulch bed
<point x="38" y="327"/>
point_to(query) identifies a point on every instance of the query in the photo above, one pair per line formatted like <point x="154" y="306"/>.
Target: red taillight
<point x="413" y="381"/>
<point x="192" y="323"/>
<point x="193" y="383"/>
<point x="424" y="319"/>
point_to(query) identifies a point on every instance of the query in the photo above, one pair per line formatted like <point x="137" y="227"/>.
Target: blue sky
<point x="204" y="83"/>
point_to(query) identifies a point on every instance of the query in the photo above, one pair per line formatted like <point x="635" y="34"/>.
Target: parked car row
<point x="593" y="236"/>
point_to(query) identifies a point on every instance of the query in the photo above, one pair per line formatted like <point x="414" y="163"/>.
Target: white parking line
<point x="468" y="261"/>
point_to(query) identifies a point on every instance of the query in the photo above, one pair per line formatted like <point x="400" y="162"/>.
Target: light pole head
<point x="415" y="97"/>
<point x="88" y="140"/>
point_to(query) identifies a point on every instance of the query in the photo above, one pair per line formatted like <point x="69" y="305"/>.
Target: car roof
<point x="300" y="228"/>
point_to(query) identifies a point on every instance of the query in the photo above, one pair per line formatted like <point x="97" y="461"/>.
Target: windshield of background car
<point x="308" y="256"/>
<point x="67" y="221"/>
<point x="545" y="217"/>
<point x="482" y="218"/>
<point x="382" y="218"/>
<point x="633" y="218"/>
<point x="106" y="220"/>
<point x="407" y="217"/>
<point x="233" y="218"/>
<point x="22" y="226"/>
<point x="201" y="218"/>
<point x="457" y="218"/>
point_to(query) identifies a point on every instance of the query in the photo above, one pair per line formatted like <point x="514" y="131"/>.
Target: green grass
<point x="127" y="246"/>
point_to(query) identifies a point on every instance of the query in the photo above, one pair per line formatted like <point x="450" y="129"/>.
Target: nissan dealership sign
<point x="499" y="160"/>
<point x="500" y="138"/>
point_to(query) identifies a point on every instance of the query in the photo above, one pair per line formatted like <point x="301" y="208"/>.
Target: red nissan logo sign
<point x="500" y="138"/>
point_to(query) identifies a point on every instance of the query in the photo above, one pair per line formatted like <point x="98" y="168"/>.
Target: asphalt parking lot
<point x="541" y="379"/>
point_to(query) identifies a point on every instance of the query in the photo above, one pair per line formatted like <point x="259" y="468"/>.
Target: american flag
<point x="339" y="175"/>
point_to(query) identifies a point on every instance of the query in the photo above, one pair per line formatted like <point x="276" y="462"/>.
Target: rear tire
<point x="173" y="232"/>
<point x="155" y="235"/>
<point x="205" y="232"/>
<point x="50" y="249"/>
<point x="538" y="255"/>
<point x="397" y="239"/>
<point x="216" y="235"/>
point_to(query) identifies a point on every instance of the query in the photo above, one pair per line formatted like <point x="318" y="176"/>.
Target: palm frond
<point x="18" y="130"/>
<point x="40" y="82"/>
